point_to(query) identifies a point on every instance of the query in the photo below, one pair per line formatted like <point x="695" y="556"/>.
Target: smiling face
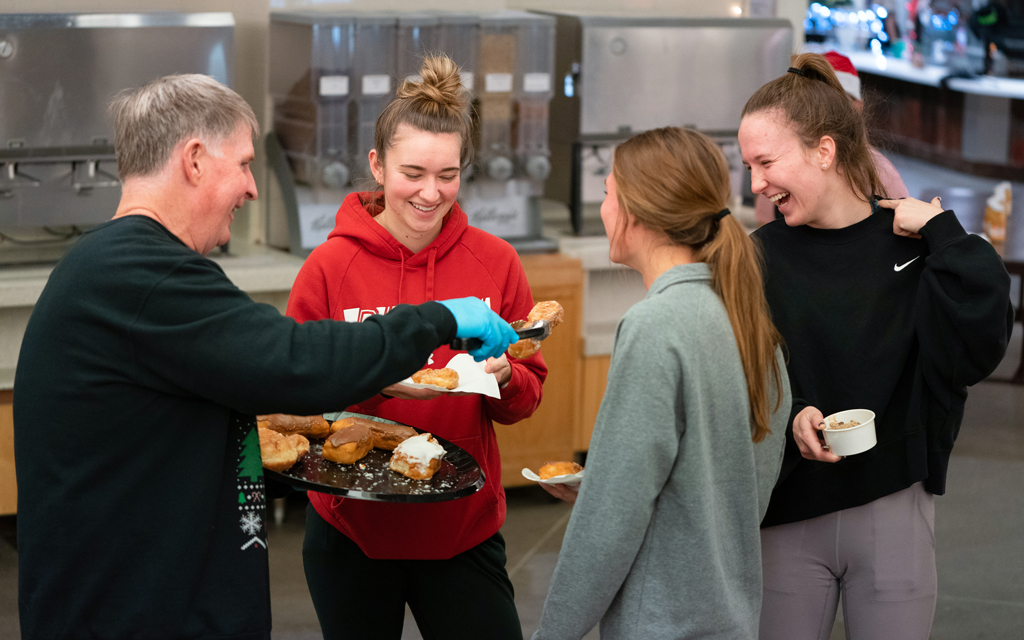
<point x="420" y="175"/>
<point x="782" y="169"/>
<point x="228" y="185"/>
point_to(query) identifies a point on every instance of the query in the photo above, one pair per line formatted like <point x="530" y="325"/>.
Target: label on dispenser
<point x="536" y="83"/>
<point x="467" y="79"/>
<point x="498" y="83"/>
<point x="376" y="85"/>
<point x="316" y="221"/>
<point x="333" y="86"/>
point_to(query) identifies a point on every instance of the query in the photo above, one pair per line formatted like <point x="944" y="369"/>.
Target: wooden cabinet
<point x="595" y="379"/>
<point x="551" y="433"/>
<point x="8" y="483"/>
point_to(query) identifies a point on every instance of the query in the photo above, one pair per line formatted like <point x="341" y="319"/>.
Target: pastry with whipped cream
<point x="418" y="457"/>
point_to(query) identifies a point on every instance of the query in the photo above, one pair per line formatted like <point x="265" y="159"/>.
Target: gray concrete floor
<point x="979" y="523"/>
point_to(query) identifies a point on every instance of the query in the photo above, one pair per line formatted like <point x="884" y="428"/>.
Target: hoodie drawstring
<point x="401" y="275"/>
<point x="428" y="293"/>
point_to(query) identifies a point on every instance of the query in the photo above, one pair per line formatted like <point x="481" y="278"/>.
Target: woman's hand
<point x="562" y="491"/>
<point x="807" y="427"/>
<point x="403" y="392"/>
<point x="912" y="214"/>
<point x="501" y="369"/>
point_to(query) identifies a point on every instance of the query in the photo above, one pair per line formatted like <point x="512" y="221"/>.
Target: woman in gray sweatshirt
<point x="663" y="541"/>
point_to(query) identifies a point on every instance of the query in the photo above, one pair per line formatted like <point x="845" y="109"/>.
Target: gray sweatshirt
<point x="664" y="539"/>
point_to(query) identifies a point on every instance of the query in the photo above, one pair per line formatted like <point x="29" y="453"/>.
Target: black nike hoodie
<point x="897" y="325"/>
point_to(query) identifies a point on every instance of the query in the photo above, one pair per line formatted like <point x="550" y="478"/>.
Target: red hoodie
<point x="362" y="270"/>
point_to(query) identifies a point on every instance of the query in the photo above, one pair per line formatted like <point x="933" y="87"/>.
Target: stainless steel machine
<point x="617" y="76"/>
<point x="332" y="74"/>
<point x="58" y="73"/>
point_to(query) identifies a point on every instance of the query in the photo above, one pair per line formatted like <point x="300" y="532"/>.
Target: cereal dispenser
<point x="417" y="37"/>
<point x="532" y="95"/>
<point x="375" y="58"/>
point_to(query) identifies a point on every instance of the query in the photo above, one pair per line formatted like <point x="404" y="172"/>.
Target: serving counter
<point x="974" y="125"/>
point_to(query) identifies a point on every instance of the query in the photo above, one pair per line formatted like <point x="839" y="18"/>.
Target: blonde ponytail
<point x="676" y="182"/>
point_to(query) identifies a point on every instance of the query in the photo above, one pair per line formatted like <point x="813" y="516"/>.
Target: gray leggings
<point x="881" y="556"/>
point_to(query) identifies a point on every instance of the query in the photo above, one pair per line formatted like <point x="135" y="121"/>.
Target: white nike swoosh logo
<point x="900" y="267"/>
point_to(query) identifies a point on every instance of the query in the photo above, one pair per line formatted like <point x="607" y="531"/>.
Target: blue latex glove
<point x="476" y="320"/>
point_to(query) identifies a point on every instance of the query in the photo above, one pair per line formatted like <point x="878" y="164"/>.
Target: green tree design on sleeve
<point x="251" y="463"/>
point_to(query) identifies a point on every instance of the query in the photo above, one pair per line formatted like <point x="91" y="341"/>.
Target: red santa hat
<point x="846" y="73"/>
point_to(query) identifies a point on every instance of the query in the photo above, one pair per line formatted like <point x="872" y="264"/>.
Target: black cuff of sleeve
<point x="443" y="320"/>
<point x="275" y="489"/>
<point x="942" y="229"/>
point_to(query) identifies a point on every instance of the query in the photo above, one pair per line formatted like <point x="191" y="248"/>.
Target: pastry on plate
<point x="280" y="452"/>
<point x="309" y="426"/>
<point x="445" y="378"/>
<point x="349" y="444"/>
<point x="554" y="469"/>
<point x="418" y="457"/>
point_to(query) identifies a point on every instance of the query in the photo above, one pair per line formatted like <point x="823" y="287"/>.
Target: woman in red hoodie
<point x="410" y="243"/>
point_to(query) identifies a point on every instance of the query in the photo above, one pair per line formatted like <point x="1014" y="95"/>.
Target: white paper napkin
<point x="571" y="479"/>
<point x="472" y="378"/>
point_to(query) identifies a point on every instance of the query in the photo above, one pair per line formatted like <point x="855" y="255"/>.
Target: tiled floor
<point x="979" y="522"/>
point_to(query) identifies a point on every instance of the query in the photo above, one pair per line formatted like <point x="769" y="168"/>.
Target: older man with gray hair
<point x="142" y="368"/>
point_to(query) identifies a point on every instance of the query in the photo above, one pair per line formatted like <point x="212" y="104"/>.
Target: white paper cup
<point x="847" y="442"/>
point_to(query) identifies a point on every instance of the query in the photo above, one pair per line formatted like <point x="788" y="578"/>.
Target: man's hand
<point x="807" y="427"/>
<point x="476" y="320"/>
<point x="911" y="214"/>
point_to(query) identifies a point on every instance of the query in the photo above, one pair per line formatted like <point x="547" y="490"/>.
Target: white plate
<point x="472" y="378"/>
<point x="570" y="479"/>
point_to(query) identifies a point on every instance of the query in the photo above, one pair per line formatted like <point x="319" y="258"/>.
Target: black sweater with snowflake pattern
<point x="897" y="325"/>
<point x="140" y="487"/>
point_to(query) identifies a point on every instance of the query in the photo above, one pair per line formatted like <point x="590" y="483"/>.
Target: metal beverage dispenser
<point x="58" y="72"/>
<point x="617" y="76"/>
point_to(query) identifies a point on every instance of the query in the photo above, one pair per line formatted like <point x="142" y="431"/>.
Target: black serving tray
<point x="371" y="479"/>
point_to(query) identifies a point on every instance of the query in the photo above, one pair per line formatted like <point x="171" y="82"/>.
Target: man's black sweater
<point x="140" y="487"/>
<point x="897" y="325"/>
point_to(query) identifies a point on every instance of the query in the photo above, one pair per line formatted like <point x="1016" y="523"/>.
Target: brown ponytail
<point x="675" y="181"/>
<point x="437" y="104"/>
<point x="816" y="105"/>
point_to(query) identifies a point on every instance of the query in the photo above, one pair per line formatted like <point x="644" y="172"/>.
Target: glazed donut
<point x="553" y="469"/>
<point x="524" y="348"/>
<point x="309" y="426"/>
<point x="418" y="457"/>
<point x="548" y="310"/>
<point x="280" y="452"/>
<point x="445" y="378"/>
<point x="349" y="444"/>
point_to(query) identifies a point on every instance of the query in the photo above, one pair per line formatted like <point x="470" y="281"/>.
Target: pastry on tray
<point x="349" y="444"/>
<point x="445" y="378"/>
<point x="280" y="452"/>
<point x="553" y="469"/>
<point x="385" y="435"/>
<point x="418" y="457"/>
<point x="309" y="426"/>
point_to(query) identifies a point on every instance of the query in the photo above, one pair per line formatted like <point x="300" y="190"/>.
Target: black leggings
<point x="469" y="596"/>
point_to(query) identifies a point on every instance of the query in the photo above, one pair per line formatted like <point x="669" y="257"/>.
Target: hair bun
<point x="441" y="85"/>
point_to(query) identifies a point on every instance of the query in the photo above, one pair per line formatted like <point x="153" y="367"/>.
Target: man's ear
<point x="193" y="155"/>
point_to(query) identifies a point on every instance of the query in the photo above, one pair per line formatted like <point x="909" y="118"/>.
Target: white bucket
<point x="847" y="442"/>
